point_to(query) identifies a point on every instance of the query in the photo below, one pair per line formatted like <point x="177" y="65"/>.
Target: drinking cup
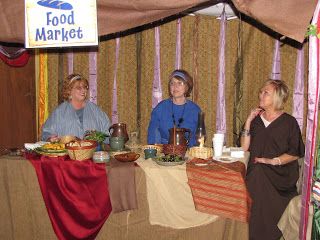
<point x="117" y="143"/>
<point x="150" y="153"/>
<point x="217" y="147"/>
<point x="219" y="136"/>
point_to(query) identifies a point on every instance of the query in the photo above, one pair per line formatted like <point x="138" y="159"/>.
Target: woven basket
<point x="67" y="138"/>
<point x="200" y="152"/>
<point x="170" y="149"/>
<point x="81" y="150"/>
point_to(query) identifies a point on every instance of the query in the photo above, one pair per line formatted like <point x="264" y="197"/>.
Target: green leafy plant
<point x="313" y="31"/>
<point x="95" y="136"/>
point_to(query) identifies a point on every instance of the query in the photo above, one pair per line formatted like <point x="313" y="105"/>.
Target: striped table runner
<point x="220" y="189"/>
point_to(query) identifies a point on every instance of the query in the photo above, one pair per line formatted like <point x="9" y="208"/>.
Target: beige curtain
<point x="247" y="48"/>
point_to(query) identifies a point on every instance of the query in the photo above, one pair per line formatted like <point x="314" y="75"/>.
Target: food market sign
<point x="51" y="23"/>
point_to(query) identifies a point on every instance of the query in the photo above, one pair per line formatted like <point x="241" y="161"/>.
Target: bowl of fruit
<point x="170" y="160"/>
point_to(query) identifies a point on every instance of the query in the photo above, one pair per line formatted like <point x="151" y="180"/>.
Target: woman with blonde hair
<point x="76" y="114"/>
<point x="274" y="141"/>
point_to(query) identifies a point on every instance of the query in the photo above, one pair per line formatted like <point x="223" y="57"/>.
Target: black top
<point x="272" y="187"/>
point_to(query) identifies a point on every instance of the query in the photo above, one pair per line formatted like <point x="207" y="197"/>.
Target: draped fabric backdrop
<point x="312" y="124"/>
<point x="178" y="45"/>
<point x="156" y="88"/>
<point x="42" y="87"/>
<point x="221" y="101"/>
<point x="115" y="116"/>
<point x="276" y="64"/>
<point x="248" y="60"/>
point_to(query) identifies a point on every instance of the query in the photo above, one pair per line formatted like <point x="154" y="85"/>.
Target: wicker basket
<point x="67" y="138"/>
<point x="200" y="152"/>
<point x="81" y="150"/>
<point x="170" y="149"/>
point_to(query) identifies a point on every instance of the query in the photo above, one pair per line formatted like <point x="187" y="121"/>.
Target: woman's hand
<point x="268" y="161"/>
<point x="53" y="138"/>
<point x="253" y="114"/>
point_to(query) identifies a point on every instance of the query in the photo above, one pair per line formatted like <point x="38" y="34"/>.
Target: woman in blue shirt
<point x="177" y="110"/>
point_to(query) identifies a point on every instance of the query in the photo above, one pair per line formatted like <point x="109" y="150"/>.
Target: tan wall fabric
<point x="249" y="54"/>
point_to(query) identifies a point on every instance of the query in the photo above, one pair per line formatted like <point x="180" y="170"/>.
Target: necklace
<point x="180" y="120"/>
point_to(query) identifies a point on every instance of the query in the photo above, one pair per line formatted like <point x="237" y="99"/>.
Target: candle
<point x="201" y="142"/>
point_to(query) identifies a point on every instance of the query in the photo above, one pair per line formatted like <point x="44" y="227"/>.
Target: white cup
<point x="218" y="136"/>
<point x="217" y="147"/>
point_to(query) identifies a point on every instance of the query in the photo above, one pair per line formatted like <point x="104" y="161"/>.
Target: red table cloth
<point x="75" y="194"/>
<point x="219" y="188"/>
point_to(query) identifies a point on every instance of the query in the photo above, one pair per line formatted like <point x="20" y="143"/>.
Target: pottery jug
<point x="179" y="136"/>
<point x="119" y="130"/>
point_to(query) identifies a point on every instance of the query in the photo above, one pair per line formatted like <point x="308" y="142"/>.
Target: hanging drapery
<point x="115" y="118"/>
<point x="156" y="86"/>
<point x="298" y="94"/>
<point x="42" y="87"/>
<point x="178" y="45"/>
<point x="93" y="75"/>
<point x="221" y="105"/>
<point x="195" y="64"/>
<point x="313" y="103"/>
<point x="276" y="65"/>
<point x="70" y="61"/>
<point x="238" y="89"/>
<point x="14" y="57"/>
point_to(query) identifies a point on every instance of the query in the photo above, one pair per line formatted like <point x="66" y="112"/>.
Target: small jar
<point x="101" y="157"/>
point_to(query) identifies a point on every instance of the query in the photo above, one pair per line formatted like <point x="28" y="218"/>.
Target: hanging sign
<point x="52" y="23"/>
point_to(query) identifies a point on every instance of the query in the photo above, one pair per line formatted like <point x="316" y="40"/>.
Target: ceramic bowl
<point x="127" y="157"/>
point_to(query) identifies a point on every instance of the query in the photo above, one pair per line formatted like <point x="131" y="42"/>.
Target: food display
<point x="52" y="149"/>
<point x="95" y="136"/>
<point x="81" y="150"/>
<point x="170" y="160"/>
<point x="200" y="152"/>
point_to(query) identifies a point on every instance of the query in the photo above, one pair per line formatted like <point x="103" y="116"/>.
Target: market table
<point x="24" y="215"/>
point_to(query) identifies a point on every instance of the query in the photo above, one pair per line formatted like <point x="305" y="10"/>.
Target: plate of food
<point x="52" y="149"/>
<point x="225" y="159"/>
<point x="170" y="160"/>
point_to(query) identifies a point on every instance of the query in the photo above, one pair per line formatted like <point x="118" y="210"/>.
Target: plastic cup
<point x="219" y="136"/>
<point x="217" y="147"/>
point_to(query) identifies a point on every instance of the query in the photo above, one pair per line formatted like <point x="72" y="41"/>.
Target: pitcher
<point x="179" y="136"/>
<point x="119" y="130"/>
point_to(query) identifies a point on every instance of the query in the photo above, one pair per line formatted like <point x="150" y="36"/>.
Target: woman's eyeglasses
<point x="79" y="88"/>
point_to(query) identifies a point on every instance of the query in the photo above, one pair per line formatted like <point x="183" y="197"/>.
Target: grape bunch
<point x="171" y="158"/>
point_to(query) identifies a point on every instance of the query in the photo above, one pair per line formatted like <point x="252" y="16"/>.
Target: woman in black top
<point x="274" y="141"/>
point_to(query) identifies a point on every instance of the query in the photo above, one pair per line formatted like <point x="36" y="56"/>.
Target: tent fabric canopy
<point x="288" y="17"/>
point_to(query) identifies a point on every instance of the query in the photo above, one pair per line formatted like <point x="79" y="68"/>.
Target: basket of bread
<point x="81" y="150"/>
<point x="171" y="149"/>
<point x="200" y="152"/>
